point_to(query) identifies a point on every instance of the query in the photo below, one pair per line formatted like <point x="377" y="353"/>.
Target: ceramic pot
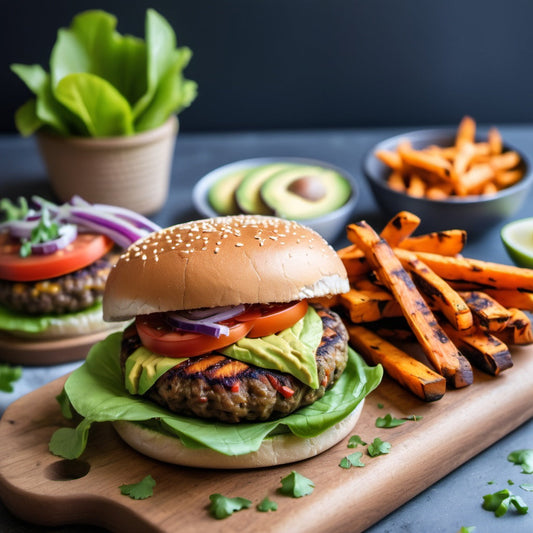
<point x="127" y="171"/>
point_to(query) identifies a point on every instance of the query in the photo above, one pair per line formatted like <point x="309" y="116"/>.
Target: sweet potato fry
<point x="484" y="350"/>
<point x="466" y="132"/>
<point x="406" y="370"/>
<point x="400" y="227"/>
<point x="390" y="158"/>
<point x="448" y="242"/>
<point x="490" y="314"/>
<point x="512" y="298"/>
<point x="473" y="180"/>
<point x="368" y="306"/>
<point x="440" y="351"/>
<point x="518" y="330"/>
<point x="495" y="141"/>
<point x="462" y="270"/>
<point x="437" y="292"/>
<point x="435" y="164"/>
<point x="396" y="181"/>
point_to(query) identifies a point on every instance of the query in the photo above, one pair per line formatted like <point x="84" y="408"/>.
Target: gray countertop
<point x="446" y="506"/>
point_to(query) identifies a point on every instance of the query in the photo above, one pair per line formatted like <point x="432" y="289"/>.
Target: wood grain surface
<point x="41" y="488"/>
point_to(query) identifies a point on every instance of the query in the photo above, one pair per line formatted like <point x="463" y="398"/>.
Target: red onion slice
<point x="205" y="321"/>
<point x="197" y="326"/>
<point x="67" y="233"/>
<point x="121" y="225"/>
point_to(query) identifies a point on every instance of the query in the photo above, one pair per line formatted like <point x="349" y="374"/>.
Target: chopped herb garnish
<point x="296" y="485"/>
<point x="378" y="447"/>
<point x="510" y="482"/>
<point x="467" y="529"/>
<point x="499" y="502"/>
<point x="46" y="230"/>
<point x="141" y="490"/>
<point x="8" y="375"/>
<point x="380" y="406"/>
<point x="388" y="421"/>
<point x="523" y="458"/>
<point x="355" y="440"/>
<point x="527" y="487"/>
<point x="222" y="507"/>
<point x="13" y="211"/>
<point x="354" y="459"/>
<point x="266" y="504"/>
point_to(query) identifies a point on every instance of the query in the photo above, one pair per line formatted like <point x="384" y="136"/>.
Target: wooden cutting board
<point x="41" y="488"/>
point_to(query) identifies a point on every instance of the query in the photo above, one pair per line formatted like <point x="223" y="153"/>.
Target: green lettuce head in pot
<point x="102" y="83"/>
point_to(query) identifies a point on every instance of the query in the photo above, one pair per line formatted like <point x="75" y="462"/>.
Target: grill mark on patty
<point x="216" y="386"/>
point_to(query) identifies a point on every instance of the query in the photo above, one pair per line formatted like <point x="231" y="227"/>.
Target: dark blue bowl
<point x="475" y="214"/>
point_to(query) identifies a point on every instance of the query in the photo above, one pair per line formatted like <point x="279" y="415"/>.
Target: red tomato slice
<point x="158" y="337"/>
<point x="269" y="319"/>
<point x="83" y="251"/>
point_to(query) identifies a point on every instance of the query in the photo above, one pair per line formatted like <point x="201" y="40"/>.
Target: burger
<point x="54" y="262"/>
<point x="230" y="359"/>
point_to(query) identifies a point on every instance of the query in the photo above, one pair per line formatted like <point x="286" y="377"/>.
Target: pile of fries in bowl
<point x="473" y="178"/>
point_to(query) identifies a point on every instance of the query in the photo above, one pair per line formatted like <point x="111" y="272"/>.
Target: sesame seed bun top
<point x="222" y="261"/>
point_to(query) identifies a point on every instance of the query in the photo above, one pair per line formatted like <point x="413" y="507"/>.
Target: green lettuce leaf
<point x="16" y="321"/>
<point x="45" y="110"/>
<point x="102" y="109"/>
<point x="92" y="46"/>
<point x="97" y="393"/>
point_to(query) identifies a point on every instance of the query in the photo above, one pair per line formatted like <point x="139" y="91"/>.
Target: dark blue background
<point x="270" y="64"/>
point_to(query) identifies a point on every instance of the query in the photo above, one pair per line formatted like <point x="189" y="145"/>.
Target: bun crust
<point x="278" y="450"/>
<point x="222" y="261"/>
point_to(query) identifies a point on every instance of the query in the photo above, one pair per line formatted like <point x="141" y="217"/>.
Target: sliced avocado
<point x="304" y="192"/>
<point x="144" y="368"/>
<point x="248" y="195"/>
<point x="221" y="195"/>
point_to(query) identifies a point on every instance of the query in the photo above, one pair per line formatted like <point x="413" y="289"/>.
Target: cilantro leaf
<point x="388" y="421"/>
<point x="354" y="459"/>
<point x="8" y="375"/>
<point x="46" y="230"/>
<point x="222" y="506"/>
<point x="523" y="458"/>
<point x="499" y="502"/>
<point x="266" y="504"/>
<point x="141" y="490"/>
<point x="355" y="440"/>
<point x="378" y="447"/>
<point x="296" y="485"/>
<point x="12" y="211"/>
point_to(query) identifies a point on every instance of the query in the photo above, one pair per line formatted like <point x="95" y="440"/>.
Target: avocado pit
<point x="309" y="188"/>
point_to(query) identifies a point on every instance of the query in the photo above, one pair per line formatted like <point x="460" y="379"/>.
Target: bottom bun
<point x="277" y="450"/>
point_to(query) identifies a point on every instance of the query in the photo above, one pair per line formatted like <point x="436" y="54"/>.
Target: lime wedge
<point x="517" y="237"/>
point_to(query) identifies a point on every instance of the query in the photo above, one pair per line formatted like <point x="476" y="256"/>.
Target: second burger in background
<point x="228" y="363"/>
<point x="54" y="262"/>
